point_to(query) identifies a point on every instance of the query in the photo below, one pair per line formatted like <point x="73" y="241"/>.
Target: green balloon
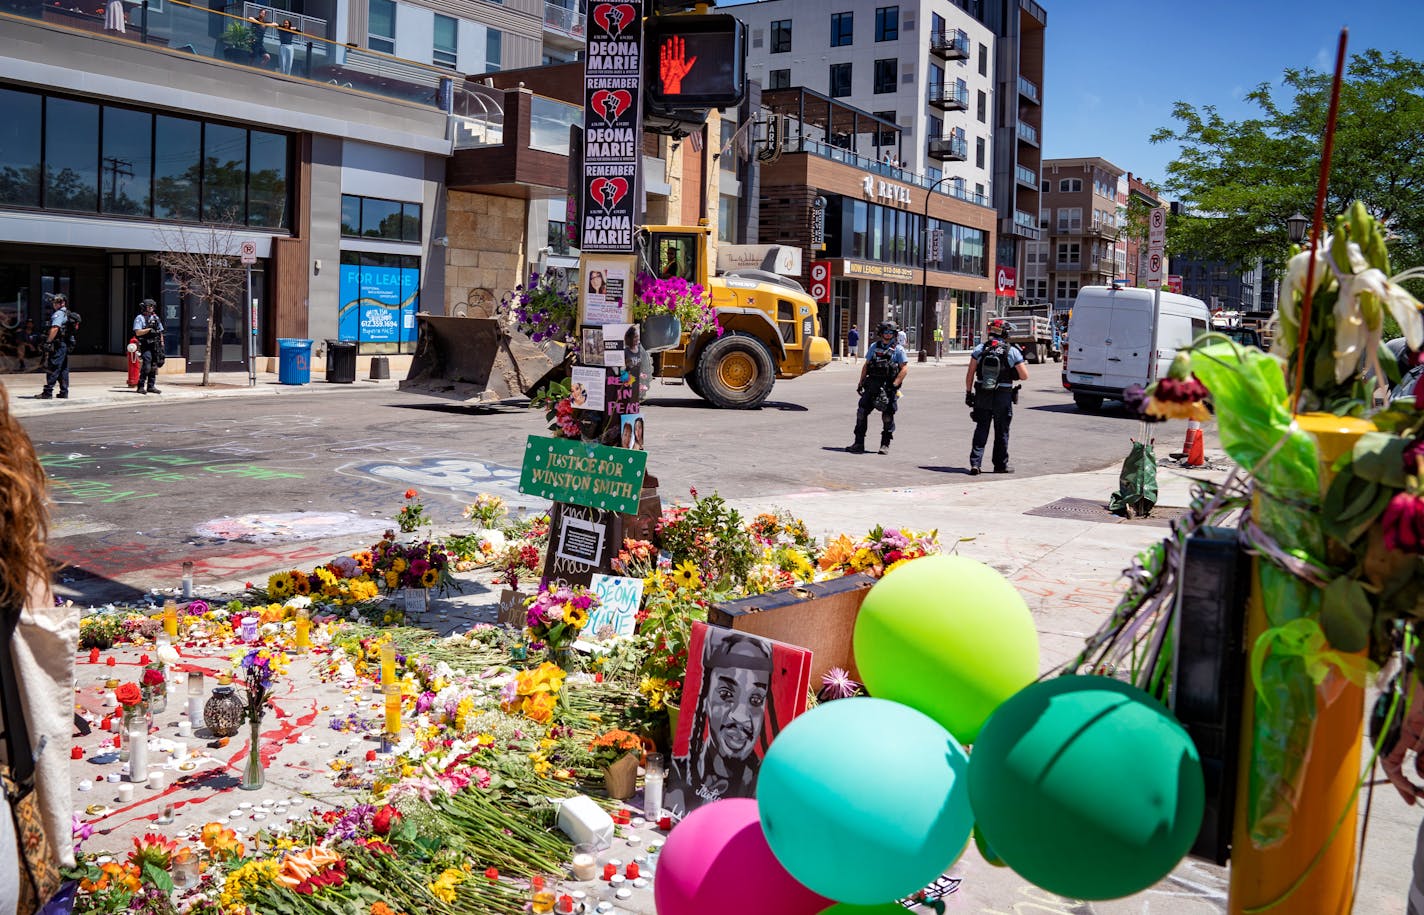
<point x="1087" y="787"/>
<point x="948" y="636"/>
<point x="985" y="851"/>
<point x="884" y="908"/>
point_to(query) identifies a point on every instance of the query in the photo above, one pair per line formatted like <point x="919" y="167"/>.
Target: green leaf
<point x="1345" y="614"/>
<point x="156" y="875"/>
<point x="1379" y="456"/>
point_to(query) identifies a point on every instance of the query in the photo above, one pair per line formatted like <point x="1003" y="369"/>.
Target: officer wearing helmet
<point x="148" y="328"/>
<point x="990" y="392"/>
<point x="880" y="378"/>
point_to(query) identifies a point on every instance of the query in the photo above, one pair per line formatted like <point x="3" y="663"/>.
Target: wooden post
<point x="1262" y="878"/>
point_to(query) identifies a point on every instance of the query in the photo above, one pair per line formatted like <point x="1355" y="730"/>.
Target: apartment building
<point x="1082" y="243"/>
<point x="1135" y="191"/>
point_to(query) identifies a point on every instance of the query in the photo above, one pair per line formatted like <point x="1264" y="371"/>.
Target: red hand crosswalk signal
<point x="695" y="63"/>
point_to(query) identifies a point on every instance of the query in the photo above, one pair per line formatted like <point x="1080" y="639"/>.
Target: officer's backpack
<point x="992" y="363"/>
<point x="71" y="327"/>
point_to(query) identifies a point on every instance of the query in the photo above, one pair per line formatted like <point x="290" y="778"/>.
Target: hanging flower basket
<point x="661" y="332"/>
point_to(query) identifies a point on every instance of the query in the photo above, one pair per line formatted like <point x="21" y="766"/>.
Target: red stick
<point x="1317" y="224"/>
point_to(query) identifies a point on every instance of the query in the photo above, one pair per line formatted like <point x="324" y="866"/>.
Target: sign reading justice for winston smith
<point x="583" y="473"/>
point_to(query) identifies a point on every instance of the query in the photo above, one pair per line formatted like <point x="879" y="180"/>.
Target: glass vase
<point x="252" y="775"/>
<point x="156" y="697"/>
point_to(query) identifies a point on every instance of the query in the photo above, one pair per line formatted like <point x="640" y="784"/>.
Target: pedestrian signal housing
<point x="694" y="63"/>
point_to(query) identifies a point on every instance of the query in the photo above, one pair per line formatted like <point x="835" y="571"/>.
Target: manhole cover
<point x="1091" y="510"/>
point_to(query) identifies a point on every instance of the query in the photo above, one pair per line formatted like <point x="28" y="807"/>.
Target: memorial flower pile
<point x="879" y="551"/>
<point x="556" y="616"/>
<point x="416" y="565"/>
<point x="534" y="693"/>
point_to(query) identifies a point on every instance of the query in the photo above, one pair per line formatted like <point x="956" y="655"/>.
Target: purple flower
<point x="836" y="683"/>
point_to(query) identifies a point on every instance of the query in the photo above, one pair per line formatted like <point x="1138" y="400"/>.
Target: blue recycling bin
<point x="294" y="361"/>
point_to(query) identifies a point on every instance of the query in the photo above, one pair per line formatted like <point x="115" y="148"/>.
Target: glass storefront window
<point x="267" y="180"/>
<point x="178" y="169"/>
<point x="224" y="173"/>
<point x="859" y="228"/>
<point x="71" y="155"/>
<point x="379" y="295"/>
<point x="380" y="218"/>
<point x="20" y="148"/>
<point x="126" y="169"/>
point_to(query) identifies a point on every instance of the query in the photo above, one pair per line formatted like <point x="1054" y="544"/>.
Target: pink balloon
<point x="717" y="861"/>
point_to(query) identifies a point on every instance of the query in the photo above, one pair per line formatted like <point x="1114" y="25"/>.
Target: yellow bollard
<point x="1262" y="878"/>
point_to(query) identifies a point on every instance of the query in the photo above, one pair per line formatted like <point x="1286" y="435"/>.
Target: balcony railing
<point x="1028" y="133"/>
<point x="950" y="44"/>
<point x="566" y="21"/>
<point x="949" y="96"/>
<point x="1026" y="176"/>
<point x="549" y="123"/>
<point x="285" y="53"/>
<point x="837" y="154"/>
<point x="1028" y="89"/>
<point x="948" y="149"/>
<point x="307" y="25"/>
<point x="1025" y="220"/>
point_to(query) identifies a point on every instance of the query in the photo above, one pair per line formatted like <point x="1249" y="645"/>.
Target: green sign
<point x="583" y="473"/>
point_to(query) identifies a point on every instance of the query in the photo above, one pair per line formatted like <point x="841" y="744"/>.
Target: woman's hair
<point x="24" y="515"/>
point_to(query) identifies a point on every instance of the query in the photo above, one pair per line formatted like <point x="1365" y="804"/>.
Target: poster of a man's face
<point x="741" y="690"/>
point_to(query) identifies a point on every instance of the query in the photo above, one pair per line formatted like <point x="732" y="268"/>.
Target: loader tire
<point x="693" y="385"/>
<point x="735" y="372"/>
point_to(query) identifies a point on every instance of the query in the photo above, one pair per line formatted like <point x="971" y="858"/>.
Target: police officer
<point x="148" y="328"/>
<point x="990" y="391"/>
<point x="56" y="345"/>
<point x="880" y="379"/>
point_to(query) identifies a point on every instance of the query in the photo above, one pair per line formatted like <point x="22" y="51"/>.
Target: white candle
<point x="185" y="729"/>
<point x="155" y="780"/>
<point x="125" y="793"/>
<point x="138" y="753"/>
<point x="195" y="711"/>
<point x="585" y="866"/>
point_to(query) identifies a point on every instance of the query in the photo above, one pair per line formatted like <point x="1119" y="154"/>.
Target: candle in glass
<point x="138" y="750"/>
<point x="187" y="581"/>
<point x="170" y="618"/>
<point x="653" y="775"/>
<point x="393" y="710"/>
<point x="304" y="630"/>
<point x="585" y="862"/>
<point x="196" y="692"/>
<point x="388" y="664"/>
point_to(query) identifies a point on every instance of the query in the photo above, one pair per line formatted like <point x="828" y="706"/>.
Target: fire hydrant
<point x="135" y="362"/>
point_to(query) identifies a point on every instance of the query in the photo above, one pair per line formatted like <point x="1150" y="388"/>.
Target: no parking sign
<point x="821" y="281"/>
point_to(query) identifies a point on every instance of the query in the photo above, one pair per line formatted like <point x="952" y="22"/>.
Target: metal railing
<point x="1028" y="88"/>
<point x="949" y="95"/>
<point x="837" y="154"/>
<point x="1026" y="176"/>
<point x="1025" y="220"/>
<point x="567" y="21"/>
<point x="213" y="35"/>
<point x="950" y="44"/>
<point x="949" y="148"/>
<point x="307" y="25"/>
<point x="549" y="123"/>
<point x="1028" y="133"/>
<point x="477" y="118"/>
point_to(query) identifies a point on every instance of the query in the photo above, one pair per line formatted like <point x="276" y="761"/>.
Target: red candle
<point x="608" y="871"/>
<point x="107" y="724"/>
<point x="93" y="656"/>
<point x="143" y="659"/>
<point x="665" y="823"/>
<point x="631" y="871"/>
<point x="110" y="661"/>
<point x="370" y="756"/>
<point x="76" y="752"/>
<point x="118" y="741"/>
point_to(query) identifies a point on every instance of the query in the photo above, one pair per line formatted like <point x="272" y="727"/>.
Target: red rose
<point x="128" y="694"/>
<point x="384" y="819"/>
<point x="152" y="676"/>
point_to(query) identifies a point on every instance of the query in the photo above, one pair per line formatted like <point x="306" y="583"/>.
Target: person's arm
<point x="904" y="370"/>
<point x="1411" y="737"/>
<point x="1023" y="371"/>
<point x="864" y="367"/>
<point x="970" y="375"/>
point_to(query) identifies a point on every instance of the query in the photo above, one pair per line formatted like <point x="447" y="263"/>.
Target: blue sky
<point x="1115" y="67"/>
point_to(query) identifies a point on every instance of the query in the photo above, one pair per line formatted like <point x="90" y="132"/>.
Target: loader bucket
<point x="472" y="359"/>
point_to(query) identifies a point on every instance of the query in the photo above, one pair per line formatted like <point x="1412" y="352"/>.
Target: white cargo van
<point x="1110" y="335"/>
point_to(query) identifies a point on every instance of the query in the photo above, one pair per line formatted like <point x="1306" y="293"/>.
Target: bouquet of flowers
<point x="259" y="669"/>
<point x="516" y="560"/>
<point x="487" y="510"/>
<point x="557" y="615"/>
<point x="100" y="630"/>
<point x="878" y="551"/>
<point x="710" y="535"/>
<point x="155" y="685"/>
<point x="543" y="308"/>
<point x="688" y="302"/>
<point x="556" y="400"/>
<point x="419" y="565"/>
<point x="534" y="693"/>
<point x="412" y="514"/>
<point x="609" y="747"/>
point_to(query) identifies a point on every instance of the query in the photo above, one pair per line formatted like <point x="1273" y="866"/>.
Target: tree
<point x="1240" y="181"/>
<point x="202" y="262"/>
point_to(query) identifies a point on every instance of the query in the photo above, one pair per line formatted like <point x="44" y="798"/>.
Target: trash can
<point x="294" y="361"/>
<point x="340" y="362"/>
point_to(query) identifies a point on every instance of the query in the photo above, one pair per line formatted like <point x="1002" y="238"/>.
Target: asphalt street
<point x="241" y="485"/>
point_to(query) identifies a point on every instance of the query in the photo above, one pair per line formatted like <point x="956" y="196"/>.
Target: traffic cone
<point x="1194" y="447"/>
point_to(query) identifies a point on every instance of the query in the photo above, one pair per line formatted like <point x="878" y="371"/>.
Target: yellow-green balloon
<point x="948" y="636"/>
<point x="884" y="908"/>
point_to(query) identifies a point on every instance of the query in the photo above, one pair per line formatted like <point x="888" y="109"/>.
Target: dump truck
<point x="1032" y="330"/>
<point x="770" y="326"/>
<point x="770" y="330"/>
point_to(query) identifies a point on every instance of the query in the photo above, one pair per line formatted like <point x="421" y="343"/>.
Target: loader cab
<point x="667" y="254"/>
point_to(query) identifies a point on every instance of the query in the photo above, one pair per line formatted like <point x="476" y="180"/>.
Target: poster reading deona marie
<point x="612" y="125"/>
<point x="741" y="690"/>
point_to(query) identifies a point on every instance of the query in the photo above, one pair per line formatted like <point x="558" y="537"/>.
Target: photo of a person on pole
<point x="741" y="691"/>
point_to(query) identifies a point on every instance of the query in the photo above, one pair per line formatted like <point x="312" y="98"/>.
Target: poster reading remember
<point x="613" y="127"/>
<point x="583" y="473"/>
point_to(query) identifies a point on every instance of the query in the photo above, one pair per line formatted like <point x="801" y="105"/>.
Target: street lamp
<point x="925" y="265"/>
<point x="1296" y="226"/>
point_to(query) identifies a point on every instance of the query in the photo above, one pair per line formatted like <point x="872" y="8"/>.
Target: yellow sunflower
<point x="430" y="578"/>
<point x="280" y="585"/>
<point x="686" y="575"/>
<point x="575" y="616"/>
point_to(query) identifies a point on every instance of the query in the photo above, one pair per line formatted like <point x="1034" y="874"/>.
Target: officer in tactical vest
<point x="58" y="344"/>
<point x="990" y="392"/>
<point x="148" y="328"/>
<point x="880" y="379"/>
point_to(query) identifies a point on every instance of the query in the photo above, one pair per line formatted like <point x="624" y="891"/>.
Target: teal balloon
<point x="1087" y="787"/>
<point x="864" y="800"/>
<point x="985" y="851"/>
<point x="948" y="636"/>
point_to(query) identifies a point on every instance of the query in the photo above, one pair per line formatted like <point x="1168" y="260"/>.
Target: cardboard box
<point x="819" y="616"/>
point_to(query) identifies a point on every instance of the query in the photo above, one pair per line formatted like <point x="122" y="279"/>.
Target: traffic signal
<point x="694" y="63"/>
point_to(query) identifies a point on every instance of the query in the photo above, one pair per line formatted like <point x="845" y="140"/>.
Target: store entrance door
<point x="230" y="345"/>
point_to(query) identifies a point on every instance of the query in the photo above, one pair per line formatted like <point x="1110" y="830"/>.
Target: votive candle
<point x="388" y="664"/>
<point x="125" y="793"/>
<point x="393" y="709"/>
<point x="304" y="630"/>
<point x="170" y="618"/>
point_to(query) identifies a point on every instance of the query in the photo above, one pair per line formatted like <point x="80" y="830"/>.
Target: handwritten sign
<point x="618" y="598"/>
<point x="583" y="473"/>
<point x="573" y="558"/>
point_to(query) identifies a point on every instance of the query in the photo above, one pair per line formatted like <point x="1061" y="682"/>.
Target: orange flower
<point x="539" y="707"/>
<point x="410" y="494"/>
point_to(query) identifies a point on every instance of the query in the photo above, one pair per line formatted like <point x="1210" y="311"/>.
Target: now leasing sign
<point x="583" y="473"/>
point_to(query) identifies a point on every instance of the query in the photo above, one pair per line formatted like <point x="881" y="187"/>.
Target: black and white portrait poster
<point x="740" y="691"/>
